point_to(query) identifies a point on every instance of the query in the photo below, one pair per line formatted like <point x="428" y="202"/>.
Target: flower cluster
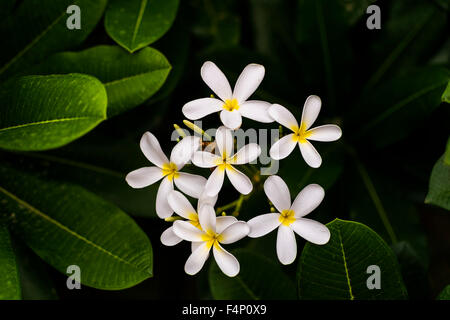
<point x="202" y="227"/>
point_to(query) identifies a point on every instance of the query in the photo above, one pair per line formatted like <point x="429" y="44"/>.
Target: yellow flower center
<point x="224" y="163"/>
<point x="193" y="219"/>
<point x="300" y="134"/>
<point x="231" y="104"/>
<point x="212" y="239"/>
<point x="287" y="217"/>
<point x="170" y="170"/>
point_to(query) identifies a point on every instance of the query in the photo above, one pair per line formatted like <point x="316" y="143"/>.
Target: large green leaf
<point x="135" y="24"/>
<point x="67" y="225"/>
<point x="43" y="112"/>
<point x="39" y="29"/>
<point x="259" y="278"/>
<point x="338" y="270"/>
<point x="99" y="165"/>
<point x="392" y="110"/>
<point x="9" y="273"/>
<point x="129" y="79"/>
<point x="439" y="189"/>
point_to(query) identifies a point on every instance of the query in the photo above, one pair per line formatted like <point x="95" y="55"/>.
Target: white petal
<point x="286" y="245"/>
<point x="283" y="116"/>
<point x="240" y="181"/>
<point x="224" y="141"/>
<point x="152" y="150"/>
<point x="234" y="232"/>
<point x="222" y="222"/>
<point x="307" y="200"/>
<point x="195" y="245"/>
<point x="163" y="209"/>
<point x="246" y="154"/>
<point x="226" y="261"/>
<point x="248" y="81"/>
<point x="191" y="184"/>
<point x="328" y="132"/>
<point x="197" y="259"/>
<point x="199" y="108"/>
<point x="215" y="182"/>
<point x="263" y="224"/>
<point x="311" y="110"/>
<point x="256" y="110"/>
<point x="181" y="205"/>
<point x="183" y="151"/>
<point x="207" y="218"/>
<point x="283" y="147"/>
<point x="204" y="199"/>
<point x="310" y="154"/>
<point x="169" y="238"/>
<point x="187" y="231"/>
<point x="216" y="80"/>
<point x="278" y="193"/>
<point x="311" y="230"/>
<point x="144" y="177"/>
<point x="231" y="119"/>
<point x="204" y="159"/>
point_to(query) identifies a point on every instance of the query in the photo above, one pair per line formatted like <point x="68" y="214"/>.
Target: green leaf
<point x="9" y="273"/>
<point x="259" y="278"/>
<point x="129" y="79"/>
<point x="447" y="153"/>
<point x="44" y="112"/>
<point x="135" y="24"/>
<point x="99" y="165"/>
<point x="446" y="95"/>
<point x="338" y="270"/>
<point x="445" y="294"/>
<point x="67" y="225"/>
<point x="392" y="110"/>
<point x="39" y="29"/>
<point x="439" y="188"/>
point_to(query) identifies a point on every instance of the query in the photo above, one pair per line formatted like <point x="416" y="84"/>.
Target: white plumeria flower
<point x="290" y="218"/>
<point x="168" y="171"/>
<point x="181" y="205"/>
<point x="224" y="163"/>
<point x="210" y="235"/>
<point x="232" y="104"/>
<point x="302" y="134"/>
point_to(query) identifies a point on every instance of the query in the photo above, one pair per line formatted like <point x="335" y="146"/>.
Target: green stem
<point x="373" y="195"/>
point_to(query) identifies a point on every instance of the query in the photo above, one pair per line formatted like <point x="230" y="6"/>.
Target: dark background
<point x="286" y="37"/>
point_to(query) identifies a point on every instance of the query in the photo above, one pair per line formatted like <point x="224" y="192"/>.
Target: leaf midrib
<point x="345" y="264"/>
<point x="49" y="121"/>
<point x="66" y="229"/>
<point x="138" y="22"/>
<point x="113" y="82"/>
